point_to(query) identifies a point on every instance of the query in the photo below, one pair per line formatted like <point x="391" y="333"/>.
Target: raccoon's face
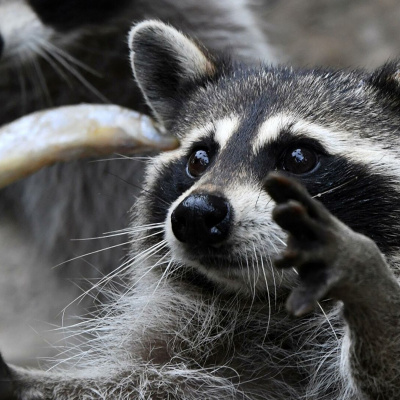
<point x="237" y="124"/>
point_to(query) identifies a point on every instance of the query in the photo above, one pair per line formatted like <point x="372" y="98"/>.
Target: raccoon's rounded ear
<point x="167" y="65"/>
<point x="387" y="79"/>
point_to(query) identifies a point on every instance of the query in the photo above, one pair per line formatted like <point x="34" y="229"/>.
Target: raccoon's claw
<point x="293" y="217"/>
<point x="282" y="189"/>
<point x="6" y="384"/>
<point x="311" y="242"/>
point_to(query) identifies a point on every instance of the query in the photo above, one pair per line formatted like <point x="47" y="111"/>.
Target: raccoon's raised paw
<point x="315" y="246"/>
<point x="6" y="384"/>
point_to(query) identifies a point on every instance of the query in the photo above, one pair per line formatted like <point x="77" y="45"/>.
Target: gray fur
<point x="190" y="327"/>
<point x="85" y="199"/>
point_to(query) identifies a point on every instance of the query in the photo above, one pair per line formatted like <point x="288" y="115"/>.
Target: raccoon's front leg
<point x="333" y="260"/>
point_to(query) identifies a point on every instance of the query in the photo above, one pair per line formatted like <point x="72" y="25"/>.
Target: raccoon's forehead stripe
<point x="221" y="130"/>
<point x="224" y="129"/>
<point x="270" y="130"/>
<point x="335" y="141"/>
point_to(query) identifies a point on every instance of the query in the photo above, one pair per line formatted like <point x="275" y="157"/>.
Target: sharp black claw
<point x="283" y="189"/>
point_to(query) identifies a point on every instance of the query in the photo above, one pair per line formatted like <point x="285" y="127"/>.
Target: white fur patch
<point x="21" y="29"/>
<point x="224" y="129"/>
<point x="270" y="130"/>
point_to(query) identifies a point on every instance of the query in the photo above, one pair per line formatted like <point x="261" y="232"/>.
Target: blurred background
<point x="336" y="33"/>
<point x="40" y="216"/>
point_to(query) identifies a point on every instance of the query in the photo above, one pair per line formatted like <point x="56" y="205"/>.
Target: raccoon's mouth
<point x="211" y="258"/>
<point x="224" y="258"/>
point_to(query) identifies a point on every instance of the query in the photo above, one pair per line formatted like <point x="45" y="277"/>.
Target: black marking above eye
<point x="198" y="163"/>
<point x="299" y="159"/>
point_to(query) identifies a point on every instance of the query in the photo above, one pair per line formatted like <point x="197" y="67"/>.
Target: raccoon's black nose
<point x="202" y="219"/>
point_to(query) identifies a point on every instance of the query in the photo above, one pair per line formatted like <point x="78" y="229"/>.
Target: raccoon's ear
<point x="167" y="65"/>
<point x="387" y="79"/>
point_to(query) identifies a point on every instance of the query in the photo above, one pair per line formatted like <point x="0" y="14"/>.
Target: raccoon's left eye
<point x="197" y="163"/>
<point x="299" y="160"/>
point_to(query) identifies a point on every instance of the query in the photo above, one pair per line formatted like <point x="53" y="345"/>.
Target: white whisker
<point x="329" y="322"/>
<point x="67" y="56"/>
<point x="47" y="56"/>
<point x="90" y="253"/>
<point x="158" y="263"/>
<point x="268" y="296"/>
<point x="164" y="274"/>
<point x="63" y="62"/>
<point x="336" y="187"/>
<point x="100" y="237"/>
<point x="41" y="78"/>
<point x="22" y="83"/>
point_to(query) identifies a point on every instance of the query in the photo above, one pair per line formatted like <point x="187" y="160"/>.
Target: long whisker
<point x="140" y="159"/>
<point x="118" y="271"/>
<point x="128" y="231"/>
<point x="336" y="187"/>
<point x="92" y="252"/>
<point x="67" y="56"/>
<point x="100" y="237"/>
<point x="139" y="187"/>
<point x="272" y="268"/>
<point x="164" y="274"/>
<point x="268" y="296"/>
<point x="255" y="278"/>
<point x="158" y="263"/>
<point x="47" y="56"/>
<point x="136" y="229"/>
<point x="37" y="90"/>
<point x="62" y="61"/>
<point x="41" y="78"/>
<point x="329" y="322"/>
<point x="22" y="83"/>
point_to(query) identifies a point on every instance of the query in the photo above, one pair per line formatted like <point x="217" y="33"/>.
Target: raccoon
<point x="264" y="259"/>
<point x="56" y="53"/>
<point x="69" y="52"/>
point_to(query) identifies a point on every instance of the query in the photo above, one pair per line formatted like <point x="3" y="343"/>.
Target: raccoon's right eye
<point x="299" y="159"/>
<point x="197" y="163"/>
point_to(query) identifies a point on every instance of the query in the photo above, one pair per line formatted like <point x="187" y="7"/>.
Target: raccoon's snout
<point x="203" y="219"/>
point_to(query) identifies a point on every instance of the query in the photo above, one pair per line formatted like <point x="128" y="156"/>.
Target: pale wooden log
<point x="66" y="133"/>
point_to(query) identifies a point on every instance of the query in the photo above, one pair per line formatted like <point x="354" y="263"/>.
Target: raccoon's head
<point x="333" y="131"/>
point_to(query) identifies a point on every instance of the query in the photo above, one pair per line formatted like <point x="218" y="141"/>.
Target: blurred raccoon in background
<point x="55" y="53"/>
